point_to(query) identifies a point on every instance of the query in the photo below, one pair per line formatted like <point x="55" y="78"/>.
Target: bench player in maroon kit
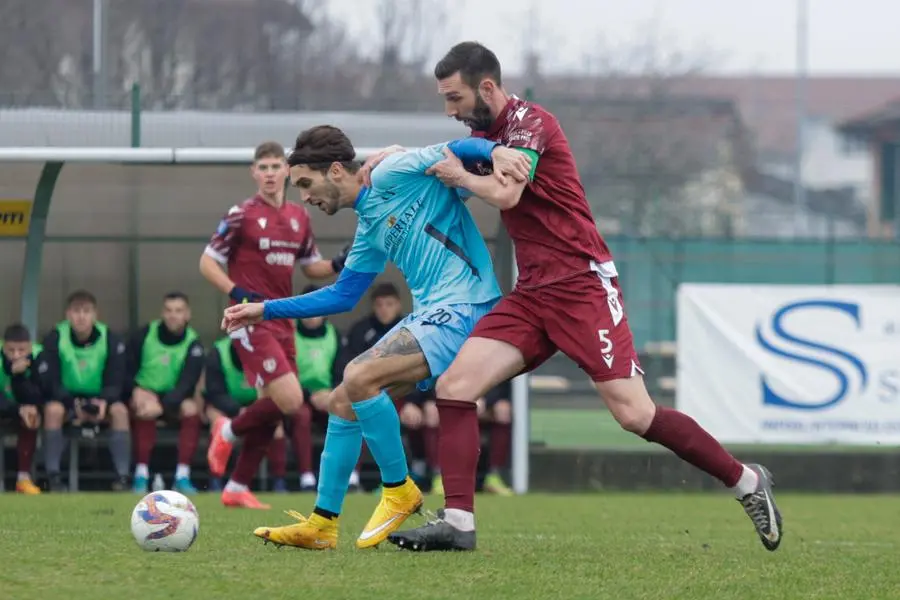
<point x="567" y="298"/>
<point x="251" y="257"/>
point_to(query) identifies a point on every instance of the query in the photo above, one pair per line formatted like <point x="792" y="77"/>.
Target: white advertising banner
<point x="786" y="364"/>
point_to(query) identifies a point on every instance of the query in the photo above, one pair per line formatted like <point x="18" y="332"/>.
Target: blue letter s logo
<point x="770" y="397"/>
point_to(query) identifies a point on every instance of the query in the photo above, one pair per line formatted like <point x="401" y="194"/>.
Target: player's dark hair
<point x="268" y="150"/>
<point x="473" y="61"/>
<point x="17" y="332"/>
<point x="385" y="290"/>
<point x="176" y="295"/>
<point x="81" y="297"/>
<point x="318" y="148"/>
<point x="310" y="288"/>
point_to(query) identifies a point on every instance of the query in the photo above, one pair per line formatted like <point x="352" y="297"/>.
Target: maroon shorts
<point x="583" y="317"/>
<point x="266" y="355"/>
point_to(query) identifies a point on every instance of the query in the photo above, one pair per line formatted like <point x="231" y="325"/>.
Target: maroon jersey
<point x="552" y="226"/>
<point x="260" y="244"/>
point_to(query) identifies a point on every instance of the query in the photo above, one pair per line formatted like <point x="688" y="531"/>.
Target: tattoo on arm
<point x="402" y="343"/>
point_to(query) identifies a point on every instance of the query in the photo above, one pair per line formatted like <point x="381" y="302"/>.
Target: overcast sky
<point x="845" y="36"/>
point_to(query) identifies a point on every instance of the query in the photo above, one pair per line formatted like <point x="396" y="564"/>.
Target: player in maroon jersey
<point x="567" y="298"/>
<point x="251" y="257"/>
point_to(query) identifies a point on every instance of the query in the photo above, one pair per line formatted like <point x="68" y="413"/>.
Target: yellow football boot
<point x="494" y="484"/>
<point x="27" y="487"/>
<point x="396" y="505"/>
<point x="314" y="533"/>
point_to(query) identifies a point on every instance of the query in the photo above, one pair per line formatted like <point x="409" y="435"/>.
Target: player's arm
<point x="417" y="162"/>
<point x="214" y="260"/>
<point x="51" y="369"/>
<point x="187" y="380"/>
<point x="114" y="370"/>
<point x="491" y="190"/>
<point x="341" y="296"/>
<point x="364" y="263"/>
<point x="215" y="390"/>
<point x="25" y="386"/>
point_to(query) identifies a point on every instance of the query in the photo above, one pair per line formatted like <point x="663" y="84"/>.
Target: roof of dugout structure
<point x="48" y="127"/>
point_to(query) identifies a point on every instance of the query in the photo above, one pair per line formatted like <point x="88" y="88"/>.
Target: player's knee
<point x="360" y="381"/>
<point x="54" y="413"/>
<point x="339" y="405"/>
<point x="118" y="416"/>
<point x="289" y="398"/>
<point x="431" y="415"/>
<point x="411" y="416"/>
<point x="454" y="385"/>
<point x="635" y="419"/>
<point x="189" y="409"/>
<point x="502" y="412"/>
<point x="629" y="403"/>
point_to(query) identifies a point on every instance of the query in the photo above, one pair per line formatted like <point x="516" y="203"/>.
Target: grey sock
<point x="54" y="444"/>
<point x="120" y="450"/>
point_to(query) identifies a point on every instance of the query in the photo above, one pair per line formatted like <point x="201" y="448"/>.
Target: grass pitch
<point x="614" y="546"/>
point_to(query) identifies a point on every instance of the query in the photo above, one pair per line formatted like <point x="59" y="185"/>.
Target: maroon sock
<point x="301" y="438"/>
<point x="253" y="449"/>
<point x="143" y="432"/>
<point x="277" y="457"/>
<point x="684" y="436"/>
<point x="431" y="435"/>
<point x="188" y="437"/>
<point x="501" y="440"/>
<point x="25" y="446"/>
<point x="458" y="447"/>
<point x="262" y="412"/>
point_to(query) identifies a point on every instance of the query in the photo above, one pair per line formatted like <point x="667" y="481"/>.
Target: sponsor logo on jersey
<point x="285" y="259"/>
<point x="397" y="232"/>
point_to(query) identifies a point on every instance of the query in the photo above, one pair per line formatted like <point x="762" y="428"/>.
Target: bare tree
<point x="409" y="32"/>
<point x="643" y="139"/>
<point x="40" y="48"/>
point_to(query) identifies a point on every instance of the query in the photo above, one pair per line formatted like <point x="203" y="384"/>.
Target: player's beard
<point x="332" y="198"/>
<point x="481" y="119"/>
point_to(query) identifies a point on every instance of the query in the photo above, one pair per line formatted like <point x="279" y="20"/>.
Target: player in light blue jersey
<point x="413" y="220"/>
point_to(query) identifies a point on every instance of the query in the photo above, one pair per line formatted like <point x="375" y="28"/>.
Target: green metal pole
<point x="34" y="245"/>
<point x="133" y="249"/>
<point x="135" y="115"/>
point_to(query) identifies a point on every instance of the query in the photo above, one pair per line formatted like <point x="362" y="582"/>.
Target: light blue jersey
<point x="423" y="227"/>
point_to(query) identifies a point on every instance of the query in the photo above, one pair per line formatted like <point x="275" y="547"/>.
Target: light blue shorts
<point x="441" y="331"/>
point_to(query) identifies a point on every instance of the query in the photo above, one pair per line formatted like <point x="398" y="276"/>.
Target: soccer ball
<point x="165" y="521"/>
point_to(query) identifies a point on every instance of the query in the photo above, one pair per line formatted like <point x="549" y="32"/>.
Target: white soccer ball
<point x="165" y="521"/>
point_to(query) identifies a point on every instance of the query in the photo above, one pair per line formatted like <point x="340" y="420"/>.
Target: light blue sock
<point x="381" y="428"/>
<point x="343" y="443"/>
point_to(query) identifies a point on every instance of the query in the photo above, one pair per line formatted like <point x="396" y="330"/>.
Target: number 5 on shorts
<point x="604" y="339"/>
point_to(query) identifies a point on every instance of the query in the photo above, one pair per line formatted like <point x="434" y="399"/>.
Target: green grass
<point x="579" y="428"/>
<point x="614" y="546"/>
